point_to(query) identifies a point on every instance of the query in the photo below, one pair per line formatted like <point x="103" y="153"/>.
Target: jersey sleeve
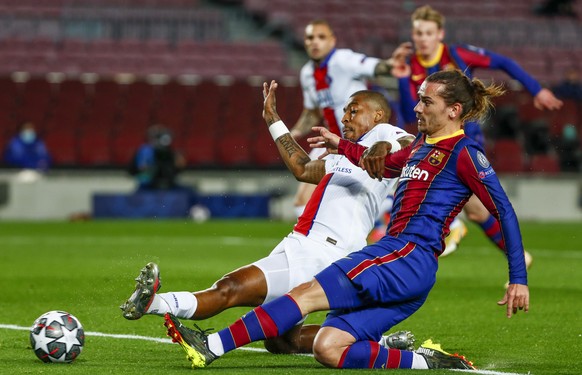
<point x="308" y="100"/>
<point x="360" y="65"/>
<point x="476" y="57"/>
<point x="392" y="165"/>
<point x="475" y="171"/>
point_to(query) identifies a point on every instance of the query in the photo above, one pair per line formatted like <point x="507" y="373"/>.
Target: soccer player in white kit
<point x="328" y="79"/>
<point x="336" y="221"/>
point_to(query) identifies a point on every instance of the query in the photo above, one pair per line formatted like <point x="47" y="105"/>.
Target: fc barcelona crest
<point x="436" y="157"/>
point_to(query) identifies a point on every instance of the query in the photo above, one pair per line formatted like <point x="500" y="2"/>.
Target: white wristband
<point x="278" y="129"/>
<point x="395" y="146"/>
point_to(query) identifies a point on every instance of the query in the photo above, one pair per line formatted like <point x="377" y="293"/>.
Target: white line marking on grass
<point x="169" y="341"/>
<point x="120" y="336"/>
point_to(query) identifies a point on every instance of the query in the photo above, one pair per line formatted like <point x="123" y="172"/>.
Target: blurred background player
<point x="26" y="150"/>
<point x="328" y="79"/>
<point x="431" y="55"/>
<point x="337" y="219"/>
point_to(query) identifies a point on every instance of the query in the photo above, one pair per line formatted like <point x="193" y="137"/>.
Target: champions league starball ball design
<point x="57" y="336"/>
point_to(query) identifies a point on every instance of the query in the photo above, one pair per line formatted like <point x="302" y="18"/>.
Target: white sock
<point x="299" y="210"/>
<point x="215" y="344"/>
<point x="418" y="362"/>
<point x="180" y="304"/>
<point x="158" y="306"/>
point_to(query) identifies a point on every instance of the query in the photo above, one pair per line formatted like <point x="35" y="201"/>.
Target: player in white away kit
<point x="336" y="221"/>
<point x="328" y="79"/>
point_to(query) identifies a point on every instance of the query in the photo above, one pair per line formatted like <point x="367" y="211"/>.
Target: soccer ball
<point x="57" y="336"/>
<point x="199" y="213"/>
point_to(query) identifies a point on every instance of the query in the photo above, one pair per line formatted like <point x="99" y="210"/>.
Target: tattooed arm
<point x="297" y="160"/>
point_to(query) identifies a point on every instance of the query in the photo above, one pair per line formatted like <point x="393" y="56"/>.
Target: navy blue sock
<point x="266" y="321"/>
<point x="370" y="354"/>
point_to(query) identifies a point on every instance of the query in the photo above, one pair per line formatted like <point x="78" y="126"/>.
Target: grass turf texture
<point x="88" y="268"/>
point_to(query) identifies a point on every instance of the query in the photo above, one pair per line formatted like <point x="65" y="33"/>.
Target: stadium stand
<point x="93" y="74"/>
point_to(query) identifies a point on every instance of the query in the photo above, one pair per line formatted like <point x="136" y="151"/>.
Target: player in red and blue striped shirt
<point x="375" y="288"/>
<point x="432" y="55"/>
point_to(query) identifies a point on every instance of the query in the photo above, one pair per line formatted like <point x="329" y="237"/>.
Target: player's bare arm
<point x="296" y="159"/>
<point x="307" y="120"/>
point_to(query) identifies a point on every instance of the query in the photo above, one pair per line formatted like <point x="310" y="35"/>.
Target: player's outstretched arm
<point x="296" y="159"/>
<point x="307" y="120"/>
<point x="516" y="298"/>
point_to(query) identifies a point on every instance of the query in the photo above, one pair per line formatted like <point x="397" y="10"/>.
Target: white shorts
<point x="296" y="260"/>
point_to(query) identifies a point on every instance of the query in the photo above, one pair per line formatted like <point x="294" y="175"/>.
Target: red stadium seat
<point x="94" y="148"/>
<point x="507" y="156"/>
<point x="547" y="164"/>
<point x="62" y="146"/>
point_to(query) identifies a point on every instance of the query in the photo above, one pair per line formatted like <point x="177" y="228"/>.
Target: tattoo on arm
<point x="289" y="144"/>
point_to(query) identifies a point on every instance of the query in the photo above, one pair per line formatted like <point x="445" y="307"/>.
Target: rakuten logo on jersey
<point x="413" y="172"/>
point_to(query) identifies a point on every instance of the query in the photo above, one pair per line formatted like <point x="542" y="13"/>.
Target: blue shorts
<point x="373" y="289"/>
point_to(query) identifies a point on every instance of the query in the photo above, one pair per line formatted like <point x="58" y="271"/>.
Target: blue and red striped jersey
<point x="464" y="57"/>
<point x="437" y="177"/>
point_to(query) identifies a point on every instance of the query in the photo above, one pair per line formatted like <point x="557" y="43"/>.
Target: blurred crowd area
<point x="93" y="75"/>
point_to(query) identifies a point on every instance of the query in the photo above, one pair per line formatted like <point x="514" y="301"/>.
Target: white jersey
<point x="346" y="202"/>
<point x="335" y="222"/>
<point x="338" y="77"/>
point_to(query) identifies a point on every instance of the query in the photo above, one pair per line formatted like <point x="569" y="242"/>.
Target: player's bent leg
<point x="329" y="345"/>
<point x="298" y="339"/>
<point x="458" y="230"/>
<point x="245" y="286"/>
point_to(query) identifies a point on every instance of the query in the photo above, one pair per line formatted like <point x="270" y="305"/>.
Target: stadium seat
<point x="199" y="150"/>
<point x="547" y="164"/>
<point x="124" y="145"/>
<point x="235" y="150"/>
<point x="507" y="156"/>
<point x="171" y="108"/>
<point x="94" y="148"/>
<point x="62" y="146"/>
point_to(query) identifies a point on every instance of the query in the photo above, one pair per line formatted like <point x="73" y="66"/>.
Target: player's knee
<point x="226" y="288"/>
<point x="326" y="353"/>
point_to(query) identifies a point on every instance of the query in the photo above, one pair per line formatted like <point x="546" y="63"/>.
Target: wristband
<point x="395" y="146"/>
<point x="278" y="129"/>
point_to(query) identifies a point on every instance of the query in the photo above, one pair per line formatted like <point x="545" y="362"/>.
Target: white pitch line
<point x="169" y="341"/>
<point x="120" y="336"/>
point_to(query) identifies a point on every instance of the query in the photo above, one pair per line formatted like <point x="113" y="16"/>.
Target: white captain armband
<point x="395" y="146"/>
<point x="278" y="129"/>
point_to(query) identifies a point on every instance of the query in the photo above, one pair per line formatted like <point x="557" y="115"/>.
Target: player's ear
<point x="441" y="34"/>
<point x="378" y="116"/>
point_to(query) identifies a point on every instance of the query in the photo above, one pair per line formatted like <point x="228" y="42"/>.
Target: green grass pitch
<point x="87" y="269"/>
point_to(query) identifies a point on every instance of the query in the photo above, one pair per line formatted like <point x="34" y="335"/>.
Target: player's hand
<point x="325" y="139"/>
<point x="373" y="159"/>
<point x="545" y="99"/>
<point x="516" y="298"/>
<point x="400" y="68"/>
<point x="270" y="103"/>
<point x="402" y="51"/>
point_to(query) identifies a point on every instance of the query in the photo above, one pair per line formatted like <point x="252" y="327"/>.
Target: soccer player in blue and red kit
<point x="375" y="288"/>
<point x="432" y="55"/>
